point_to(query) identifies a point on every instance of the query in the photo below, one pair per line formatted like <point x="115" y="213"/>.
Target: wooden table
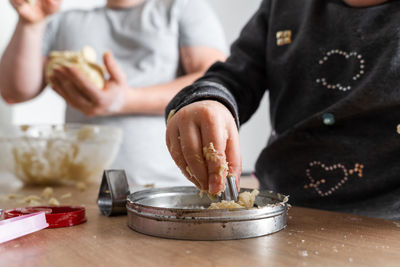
<point x="312" y="238"/>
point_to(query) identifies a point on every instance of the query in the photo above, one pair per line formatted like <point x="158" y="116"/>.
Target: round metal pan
<point x="180" y="213"/>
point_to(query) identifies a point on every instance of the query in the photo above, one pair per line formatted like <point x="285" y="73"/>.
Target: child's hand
<point x="202" y="137"/>
<point x="33" y="11"/>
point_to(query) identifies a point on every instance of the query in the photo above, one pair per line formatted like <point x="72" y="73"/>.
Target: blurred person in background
<point x="152" y="48"/>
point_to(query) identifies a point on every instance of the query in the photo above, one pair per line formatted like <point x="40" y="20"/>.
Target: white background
<point x="49" y="108"/>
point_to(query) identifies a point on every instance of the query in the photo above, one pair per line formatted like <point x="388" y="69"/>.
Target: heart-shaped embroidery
<point x="345" y="85"/>
<point x="329" y="170"/>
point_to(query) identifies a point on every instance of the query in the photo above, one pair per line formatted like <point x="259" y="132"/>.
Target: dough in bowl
<point x="84" y="60"/>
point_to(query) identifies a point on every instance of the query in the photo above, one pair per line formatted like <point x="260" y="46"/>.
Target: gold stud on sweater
<point x="283" y="37"/>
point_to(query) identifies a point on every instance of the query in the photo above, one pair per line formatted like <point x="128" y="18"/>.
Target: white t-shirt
<point x="145" y="40"/>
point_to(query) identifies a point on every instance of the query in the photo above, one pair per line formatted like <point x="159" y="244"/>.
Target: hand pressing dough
<point x="84" y="60"/>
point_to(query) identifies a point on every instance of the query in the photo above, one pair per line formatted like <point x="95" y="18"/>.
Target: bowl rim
<point x="113" y="132"/>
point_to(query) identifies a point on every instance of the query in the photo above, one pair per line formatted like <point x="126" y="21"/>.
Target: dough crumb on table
<point x="30" y="198"/>
<point x="34" y="203"/>
<point x="81" y="186"/>
<point x="47" y="193"/>
<point x="67" y="195"/>
<point x="46" y="198"/>
<point x="54" y="202"/>
<point x="13" y="196"/>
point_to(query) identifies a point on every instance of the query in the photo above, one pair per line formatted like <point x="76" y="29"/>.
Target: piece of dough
<point x="47" y="193"/>
<point x="67" y="195"/>
<point x="54" y="202"/>
<point x="211" y="154"/>
<point x="245" y="201"/>
<point x="84" y="60"/>
<point x="81" y="186"/>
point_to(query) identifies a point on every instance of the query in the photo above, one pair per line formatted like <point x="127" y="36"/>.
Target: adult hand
<point x="79" y="92"/>
<point x="202" y="137"/>
<point x="33" y="11"/>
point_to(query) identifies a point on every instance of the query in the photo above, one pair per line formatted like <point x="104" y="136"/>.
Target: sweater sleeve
<point x="240" y="82"/>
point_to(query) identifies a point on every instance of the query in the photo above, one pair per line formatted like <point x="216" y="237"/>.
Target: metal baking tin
<point x="180" y="213"/>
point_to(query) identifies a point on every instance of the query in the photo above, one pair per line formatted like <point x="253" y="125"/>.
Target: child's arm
<point x="238" y="85"/>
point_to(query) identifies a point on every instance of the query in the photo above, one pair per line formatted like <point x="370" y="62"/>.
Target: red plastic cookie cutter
<point x="63" y="216"/>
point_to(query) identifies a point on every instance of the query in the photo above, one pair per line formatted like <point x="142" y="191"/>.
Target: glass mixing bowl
<point x="58" y="154"/>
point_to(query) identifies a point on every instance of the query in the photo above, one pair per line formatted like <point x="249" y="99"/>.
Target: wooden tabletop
<point x="312" y="238"/>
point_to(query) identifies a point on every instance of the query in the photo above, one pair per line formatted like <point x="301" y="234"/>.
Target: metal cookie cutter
<point x="230" y="192"/>
<point x="114" y="190"/>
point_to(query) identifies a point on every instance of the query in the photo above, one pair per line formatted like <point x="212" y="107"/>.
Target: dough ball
<point x="84" y="60"/>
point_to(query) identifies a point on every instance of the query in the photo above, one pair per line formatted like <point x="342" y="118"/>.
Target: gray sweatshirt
<point x="145" y="40"/>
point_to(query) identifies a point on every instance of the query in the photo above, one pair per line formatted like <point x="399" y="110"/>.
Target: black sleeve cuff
<point x="204" y="90"/>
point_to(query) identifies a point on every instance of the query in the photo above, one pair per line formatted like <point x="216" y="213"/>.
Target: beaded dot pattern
<point x="315" y="183"/>
<point x="339" y="86"/>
